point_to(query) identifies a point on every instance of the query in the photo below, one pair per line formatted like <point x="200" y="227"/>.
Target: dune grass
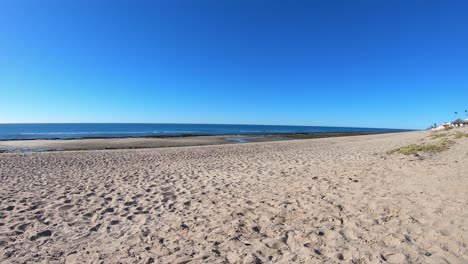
<point x="460" y="134"/>
<point x="423" y="147"/>
<point x="438" y="135"/>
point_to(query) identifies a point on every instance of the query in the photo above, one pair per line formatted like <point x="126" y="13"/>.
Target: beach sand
<point x="155" y="142"/>
<point x="332" y="200"/>
<point x="112" y="143"/>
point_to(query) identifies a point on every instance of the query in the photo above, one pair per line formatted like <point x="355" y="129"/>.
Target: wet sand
<point x="154" y="142"/>
<point x="331" y="200"/>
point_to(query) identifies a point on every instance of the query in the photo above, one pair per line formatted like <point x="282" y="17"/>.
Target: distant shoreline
<point x="162" y="141"/>
<point x="293" y="135"/>
<point x="102" y="131"/>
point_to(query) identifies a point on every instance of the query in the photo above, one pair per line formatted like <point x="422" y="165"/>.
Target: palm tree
<point x="466" y="113"/>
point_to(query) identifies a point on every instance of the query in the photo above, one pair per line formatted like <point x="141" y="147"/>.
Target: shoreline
<point x="160" y="141"/>
<point x="293" y="134"/>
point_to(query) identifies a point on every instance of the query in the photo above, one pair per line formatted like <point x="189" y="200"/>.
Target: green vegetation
<point x="424" y="147"/>
<point x="438" y="135"/>
<point x="460" y="134"/>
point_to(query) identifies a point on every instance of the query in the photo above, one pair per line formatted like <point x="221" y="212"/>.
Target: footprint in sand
<point x="65" y="207"/>
<point x="108" y="210"/>
<point x="45" y="233"/>
<point x="131" y="203"/>
<point x="23" y="227"/>
<point x="95" y="228"/>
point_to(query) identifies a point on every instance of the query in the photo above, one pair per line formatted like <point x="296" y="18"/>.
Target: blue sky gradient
<point x="393" y="64"/>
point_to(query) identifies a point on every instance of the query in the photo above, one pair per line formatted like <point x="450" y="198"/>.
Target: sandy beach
<point x="41" y="145"/>
<point x="330" y="200"/>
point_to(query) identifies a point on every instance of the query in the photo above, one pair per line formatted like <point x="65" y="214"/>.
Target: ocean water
<point x="49" y="131"/>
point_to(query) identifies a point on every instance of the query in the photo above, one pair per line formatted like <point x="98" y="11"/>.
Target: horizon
<point x="306" y="63"/>
<point x="131" y="130"/>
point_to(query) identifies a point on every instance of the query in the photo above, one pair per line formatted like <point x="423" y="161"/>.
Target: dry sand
<point x="333" y="200"/>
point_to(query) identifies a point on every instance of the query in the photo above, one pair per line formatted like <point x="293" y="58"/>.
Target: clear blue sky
<point x="396" y="64"/>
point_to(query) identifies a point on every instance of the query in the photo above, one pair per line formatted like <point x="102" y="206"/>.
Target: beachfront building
<point x="459" y="122"/>
<point x="442" y="126"/>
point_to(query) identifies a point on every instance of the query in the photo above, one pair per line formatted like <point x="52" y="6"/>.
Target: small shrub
<point x="424" y="147"/>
